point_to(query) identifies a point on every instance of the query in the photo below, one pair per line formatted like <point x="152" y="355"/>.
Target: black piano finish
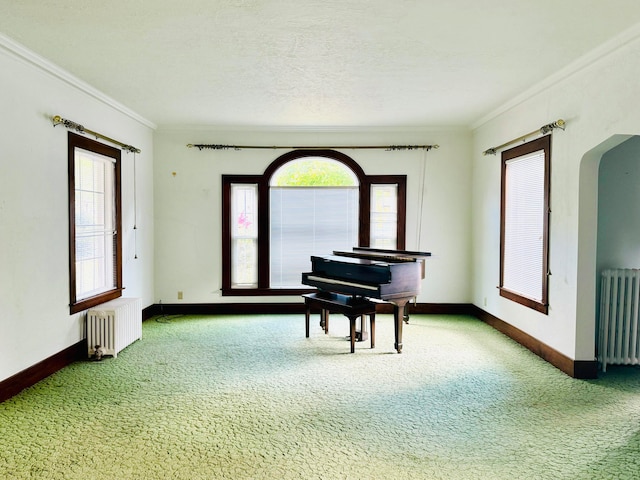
<point x="389" y="275"/>
<point x="364" y="277"/>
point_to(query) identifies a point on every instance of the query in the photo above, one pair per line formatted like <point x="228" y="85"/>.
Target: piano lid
<point x="387" y="255"/>
<point x="404" y="254"/>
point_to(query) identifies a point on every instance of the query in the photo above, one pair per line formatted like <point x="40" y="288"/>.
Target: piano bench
<point x="351" y="307"/>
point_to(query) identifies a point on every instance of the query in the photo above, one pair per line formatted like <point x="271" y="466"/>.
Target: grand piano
<point x="393" y="276"/>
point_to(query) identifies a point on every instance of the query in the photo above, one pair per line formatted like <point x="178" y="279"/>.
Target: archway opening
<point x="591" y="256"/>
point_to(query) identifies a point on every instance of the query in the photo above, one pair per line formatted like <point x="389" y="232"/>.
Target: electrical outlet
<point x="179" y="295"/>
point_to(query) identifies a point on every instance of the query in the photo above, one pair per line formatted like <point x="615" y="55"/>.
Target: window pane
<point x="313" y="171"/>
<point x="524" y="225"/>
<point x="309" y="221"/>
<point x="384" y="216"/>
<point x="94" y="222"/>
<point x="244" y="235"/>
<point x="244" y="253"/>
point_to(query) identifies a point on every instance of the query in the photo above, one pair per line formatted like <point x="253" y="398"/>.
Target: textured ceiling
<point x="314" y="63"/>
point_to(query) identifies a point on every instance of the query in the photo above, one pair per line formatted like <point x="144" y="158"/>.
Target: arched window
<point x="313" y="207"/>
<point x="307" y="202"/>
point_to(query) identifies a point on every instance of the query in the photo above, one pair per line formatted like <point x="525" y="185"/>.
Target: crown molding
<point x="563" y="75"/>
<point x="24" y="54"/>
<point x="312" y="129"/>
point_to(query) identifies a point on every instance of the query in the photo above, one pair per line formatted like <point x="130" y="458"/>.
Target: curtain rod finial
<point x="560" y="123"/>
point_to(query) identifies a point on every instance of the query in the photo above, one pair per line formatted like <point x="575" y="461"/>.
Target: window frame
<point x="263" y="182"/>
<point x="539" y="144"/>
<point x="78" y="141"/>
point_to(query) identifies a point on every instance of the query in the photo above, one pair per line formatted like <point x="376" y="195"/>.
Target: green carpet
<point x="249" y="397"/>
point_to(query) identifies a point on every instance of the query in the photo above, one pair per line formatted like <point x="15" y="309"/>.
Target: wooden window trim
<point x="79" y="141"/>
<point x="542" y="143"/>
<point x="263" y="182"/>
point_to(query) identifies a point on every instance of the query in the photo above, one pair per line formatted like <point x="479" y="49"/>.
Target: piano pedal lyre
<point x="405" y="317"/>
<point x="362" y="333"/>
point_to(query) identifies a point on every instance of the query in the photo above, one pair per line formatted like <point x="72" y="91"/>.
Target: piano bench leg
<point x="372" y="323"/>
<point x="352" y="339"/>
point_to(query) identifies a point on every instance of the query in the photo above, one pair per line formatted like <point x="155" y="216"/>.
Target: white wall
<point x="34" y="274"/>
<point x="598" y="98"/>
<point x="619" y="207"/>
<point x="188" y="204"/>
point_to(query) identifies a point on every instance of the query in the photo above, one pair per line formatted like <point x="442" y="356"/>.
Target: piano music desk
<point x="351" y="307"/>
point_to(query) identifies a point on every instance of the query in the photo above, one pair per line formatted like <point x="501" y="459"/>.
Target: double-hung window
<point x="95" y="247"/>
<point x="524" y="237"/>
<point x="384" y="216"/>
<point x="244" y="234"/>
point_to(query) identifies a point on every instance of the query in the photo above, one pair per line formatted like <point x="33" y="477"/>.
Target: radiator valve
<point x="98" y="352"/>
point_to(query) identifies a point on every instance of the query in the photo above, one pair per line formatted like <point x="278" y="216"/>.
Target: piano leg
<point x="352" y="331"/>
<point x="399" y="307"/>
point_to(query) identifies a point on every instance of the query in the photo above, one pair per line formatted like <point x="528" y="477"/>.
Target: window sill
<point x="93" y="301"/>
<point x="253" y="292"/>
<point x="527" y="302"/>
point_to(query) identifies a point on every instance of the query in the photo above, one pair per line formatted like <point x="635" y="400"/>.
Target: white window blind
<point x="308" y="221"/>
<point x="524" y="219"/>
